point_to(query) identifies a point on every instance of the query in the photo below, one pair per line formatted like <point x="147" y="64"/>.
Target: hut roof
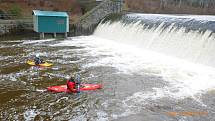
<point x="49" y="13"/>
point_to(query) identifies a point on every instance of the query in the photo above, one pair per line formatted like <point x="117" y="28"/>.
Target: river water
<point x="139" y="83"/>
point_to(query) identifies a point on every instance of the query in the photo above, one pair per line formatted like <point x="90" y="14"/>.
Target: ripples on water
<point x="138" y="84"/>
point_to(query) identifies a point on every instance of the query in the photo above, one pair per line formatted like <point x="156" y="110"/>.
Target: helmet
<point x="71" y="78"/>
<point x="67" y="77"/>
<point x="37" y="55"/>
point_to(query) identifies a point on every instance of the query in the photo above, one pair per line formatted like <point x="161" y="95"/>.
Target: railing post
<point x="42" y="36"/>
<point x="55" y="35"/>
<point x="65" y="35"/>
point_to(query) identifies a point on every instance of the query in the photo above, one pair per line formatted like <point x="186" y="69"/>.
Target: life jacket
<point x="37" y="61"/>
<point x="71" y="86"/>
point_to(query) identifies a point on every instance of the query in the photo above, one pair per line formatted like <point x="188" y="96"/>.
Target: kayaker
<point x="38" y="60"/>
<point x="73" y="84"/>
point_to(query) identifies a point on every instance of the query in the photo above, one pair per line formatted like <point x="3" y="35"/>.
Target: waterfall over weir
<point x="187" y="37"/>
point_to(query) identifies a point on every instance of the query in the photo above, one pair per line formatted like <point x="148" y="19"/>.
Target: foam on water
<point x="30" y="114"/>
<point x="37" y="41"/>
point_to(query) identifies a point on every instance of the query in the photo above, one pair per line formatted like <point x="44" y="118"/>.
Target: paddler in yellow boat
<point x="38" y="60"/>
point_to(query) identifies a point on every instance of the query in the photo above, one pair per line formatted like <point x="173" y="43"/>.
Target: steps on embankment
<point x="88" y="22"/>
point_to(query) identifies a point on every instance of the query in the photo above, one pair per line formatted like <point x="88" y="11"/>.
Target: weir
<point x="187" y="37"/>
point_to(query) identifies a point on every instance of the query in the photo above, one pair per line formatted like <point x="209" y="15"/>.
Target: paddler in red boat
<point x="73" y="84"/>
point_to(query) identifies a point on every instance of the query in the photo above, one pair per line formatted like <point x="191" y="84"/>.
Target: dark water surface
<point x="127" y="94"/>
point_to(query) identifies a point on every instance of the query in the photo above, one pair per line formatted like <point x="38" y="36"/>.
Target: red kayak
<point x="84" y="87"/>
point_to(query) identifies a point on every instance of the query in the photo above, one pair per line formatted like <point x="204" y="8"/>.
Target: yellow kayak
<point x="32" y="63"/>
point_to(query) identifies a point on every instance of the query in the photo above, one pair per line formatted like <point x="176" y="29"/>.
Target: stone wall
<point x="9" y="26"/>
<point x="6" y="26"/>
<point x="88" y="22"/>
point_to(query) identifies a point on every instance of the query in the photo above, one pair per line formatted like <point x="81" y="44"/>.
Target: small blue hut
<point x="50" y="22"/>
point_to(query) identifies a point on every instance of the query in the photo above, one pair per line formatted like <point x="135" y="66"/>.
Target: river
<point x="140" y="83"/>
